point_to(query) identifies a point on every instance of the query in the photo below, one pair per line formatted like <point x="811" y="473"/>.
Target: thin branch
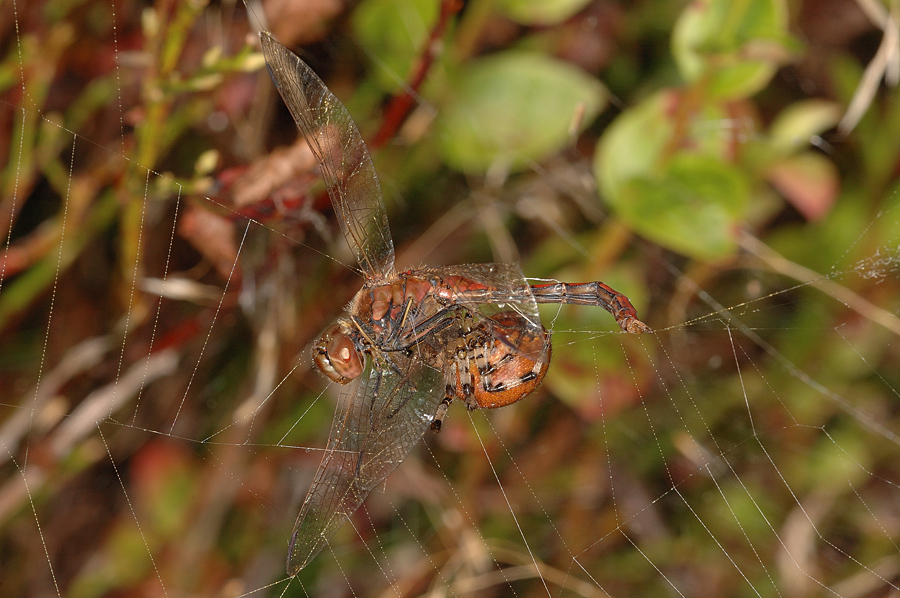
<point x="401" y="104"/>
<point x="884" y="65"/>
<point x="782" y="265"/>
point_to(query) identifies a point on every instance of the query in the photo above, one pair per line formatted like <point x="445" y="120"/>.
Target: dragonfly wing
<point x="499" y="288"/>
<point x="493" y="292"/>
<point x="380" y="417"/>
<point x="342" y="155"/>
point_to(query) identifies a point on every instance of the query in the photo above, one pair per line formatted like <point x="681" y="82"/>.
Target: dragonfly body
<point x="410" y="342"/>
<point x="487" y="362"/>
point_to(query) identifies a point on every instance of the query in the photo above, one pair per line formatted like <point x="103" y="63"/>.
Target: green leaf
<point x="514" y="108"/>
<point x="674" y="184"/>
<point x="394" y="31"/>
<point x="634" y="144"/>
<point x="693" y="208"/>
<point x="795" y="125"/>
<point x="840" y="461"/>
<point x="540" y="12"/>
<point x="735" y="45"/>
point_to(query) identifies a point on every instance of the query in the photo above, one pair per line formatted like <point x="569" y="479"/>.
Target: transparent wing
<point x="497" y="288"/>
<point x="500" y="299"/>
<point x="380" y="417"/>
<point x="342" y="155"/>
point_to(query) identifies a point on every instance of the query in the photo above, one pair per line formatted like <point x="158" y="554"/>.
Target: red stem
<point x="401" y="104"/>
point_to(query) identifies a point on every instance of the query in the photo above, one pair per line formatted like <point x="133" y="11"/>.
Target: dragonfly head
<point x="337" y="357"/>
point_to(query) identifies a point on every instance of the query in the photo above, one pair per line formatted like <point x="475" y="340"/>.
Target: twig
<point x="885" y="64"/>
<point x="505" y="576"/>
<point x="782" y="265"/>
<point x="104" y="401"/>
<point x="77" y="360"/>
<point x="402" y="102"/>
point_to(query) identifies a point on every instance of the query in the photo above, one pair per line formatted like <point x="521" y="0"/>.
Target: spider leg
<point x="460" y="382"/>
<point x="441" y="411"/>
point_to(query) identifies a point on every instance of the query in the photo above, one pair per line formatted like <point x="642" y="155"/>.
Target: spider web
<point x="159" y="425"/>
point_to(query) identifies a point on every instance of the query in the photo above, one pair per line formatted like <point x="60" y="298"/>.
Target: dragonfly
<point x="409" y="342"/>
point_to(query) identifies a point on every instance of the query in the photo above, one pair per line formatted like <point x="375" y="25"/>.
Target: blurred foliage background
<point x="168" y="255"/>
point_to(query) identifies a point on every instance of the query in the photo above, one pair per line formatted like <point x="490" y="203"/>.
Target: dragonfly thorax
<point x="336" y="355"/>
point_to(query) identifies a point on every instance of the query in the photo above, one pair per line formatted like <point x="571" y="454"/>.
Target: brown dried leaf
<point x="213" y="236"/>
<point x="266" y="176"/>
<point x="297" y="23"/>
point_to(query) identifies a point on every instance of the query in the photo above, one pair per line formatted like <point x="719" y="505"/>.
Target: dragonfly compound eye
<point x="337" y="357"/>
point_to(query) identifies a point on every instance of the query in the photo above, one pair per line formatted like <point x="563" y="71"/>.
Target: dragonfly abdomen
<point x="592" y="293"/>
